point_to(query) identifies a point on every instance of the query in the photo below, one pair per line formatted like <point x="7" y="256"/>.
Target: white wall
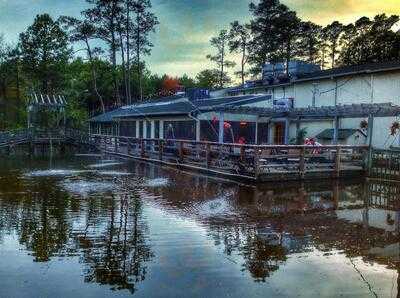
<point x="381" y="87"/>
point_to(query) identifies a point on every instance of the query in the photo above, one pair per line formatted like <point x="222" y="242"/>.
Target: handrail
<point x="250" y="146"/>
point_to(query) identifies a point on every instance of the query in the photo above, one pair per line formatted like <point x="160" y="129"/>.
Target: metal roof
<point x="328" y="134"/>
<point x="329" y="74"/>
<point x="351" y="70"/>
<point x="177" y="106"/>
<point x="341" y="111"/>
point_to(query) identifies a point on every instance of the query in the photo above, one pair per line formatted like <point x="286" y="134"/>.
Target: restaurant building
<point x="333" y="106"/>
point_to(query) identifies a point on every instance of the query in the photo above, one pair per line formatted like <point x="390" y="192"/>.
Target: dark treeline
<point x="112" y="36"/>
<point x="98" y="60"/>
<point x="275" y="33"/>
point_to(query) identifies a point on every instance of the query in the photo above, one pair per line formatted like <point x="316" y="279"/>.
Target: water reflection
<point x="117" y="254"/>
<point x="261" y="230"/>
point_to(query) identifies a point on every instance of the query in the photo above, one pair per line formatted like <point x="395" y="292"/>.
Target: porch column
<point x="287" y="128"/>
<point x="221" y="128"/>
<point x="153" y="130"/>
<point x="335" y="131"/>
<point x="161" y="129"/>
<point x="137" y="129"/>
<point x="370" y="129"/>
<point x="198" y="130"/>
<point x="370" y="136"/>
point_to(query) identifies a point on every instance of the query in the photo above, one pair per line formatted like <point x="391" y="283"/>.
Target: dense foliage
<point x="98" y="61"/>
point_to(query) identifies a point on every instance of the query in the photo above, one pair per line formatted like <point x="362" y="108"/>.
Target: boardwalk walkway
<point x="30" y="136"/>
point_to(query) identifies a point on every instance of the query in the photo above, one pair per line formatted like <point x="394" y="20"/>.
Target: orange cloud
<point x="346" y="11"/>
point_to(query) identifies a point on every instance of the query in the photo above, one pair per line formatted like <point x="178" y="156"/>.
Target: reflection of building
<point x="342" y="217"/>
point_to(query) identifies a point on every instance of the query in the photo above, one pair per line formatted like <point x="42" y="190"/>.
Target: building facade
<point x="205" y="119"/>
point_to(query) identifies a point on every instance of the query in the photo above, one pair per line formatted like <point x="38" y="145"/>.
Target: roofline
<point x="148" y="115"/>
<point x="364" y="71"/>
<point x="321" y="77"/>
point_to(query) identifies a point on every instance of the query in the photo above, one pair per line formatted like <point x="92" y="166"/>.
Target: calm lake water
<point x="103" y="228"/>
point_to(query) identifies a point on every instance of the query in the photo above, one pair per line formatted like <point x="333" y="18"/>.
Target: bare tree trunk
<point x="94" y="76"/>
<point x="221" y="82"/>
<point x="123" y="65"/>
<point x="243" y="63"/>
<point x="113" y="48"/>
<point x="288" y="55"/>
<point x="138" y="57"/>
<point x="128" y="58"/>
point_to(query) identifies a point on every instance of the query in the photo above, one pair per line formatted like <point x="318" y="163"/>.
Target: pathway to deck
<point x="10" y="139"/>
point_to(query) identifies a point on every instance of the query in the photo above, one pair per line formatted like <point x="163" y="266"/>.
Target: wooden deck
<point x="258" y="163"/>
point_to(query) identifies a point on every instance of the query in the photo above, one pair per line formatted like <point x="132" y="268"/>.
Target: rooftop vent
<point x="194" y="94"/>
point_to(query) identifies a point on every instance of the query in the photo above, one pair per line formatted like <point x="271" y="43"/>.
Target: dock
<point x="257" y="163"/>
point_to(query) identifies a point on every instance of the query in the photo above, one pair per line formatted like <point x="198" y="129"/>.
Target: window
<point x="180" y="130"/>
<point x="209" y="130"/>
<point x="127" y="128"/>
<point x="148" y="129"/>
<point x="262" y="133"/>
<point x="141" y="129"/>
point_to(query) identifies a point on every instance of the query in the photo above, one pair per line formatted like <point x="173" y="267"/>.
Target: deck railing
<point x="385" y="164"/>
<point x="257" y="162"/>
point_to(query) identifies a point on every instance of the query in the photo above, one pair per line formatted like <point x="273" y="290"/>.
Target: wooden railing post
<point x="256" y="163"/>
<point x="242" y="153"/>
<point x="181" y="157"/>
<point x="337" y="162"/>
<point x="142" y="148"/>
<point x="128" y="146"/>
<point x="208" y="155"/>
<point x="160" y="149"/>
<point x="302" y="162"/>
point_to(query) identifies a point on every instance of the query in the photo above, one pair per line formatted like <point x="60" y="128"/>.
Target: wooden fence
<point x="253" y="162"/>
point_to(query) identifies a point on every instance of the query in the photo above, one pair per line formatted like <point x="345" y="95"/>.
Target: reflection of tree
<point x="108" y="233"/>
<point x="261" y="257"/>
<point x="117" y="255"/>
<point x="43" y="227"/>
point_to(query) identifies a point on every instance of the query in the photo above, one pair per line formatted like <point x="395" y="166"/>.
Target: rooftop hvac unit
<point x="194" y="94"/>
<point x="275" y="73"/>
<point x="298" y="68"/>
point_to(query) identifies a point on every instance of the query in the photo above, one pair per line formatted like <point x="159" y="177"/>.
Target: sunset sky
<point x="182" y="39"/>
